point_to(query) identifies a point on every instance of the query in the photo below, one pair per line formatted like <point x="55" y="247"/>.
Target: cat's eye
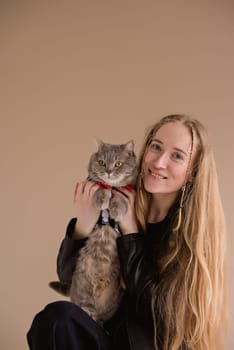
<point x="118" y="164"/>
<point x="101" y="162"/>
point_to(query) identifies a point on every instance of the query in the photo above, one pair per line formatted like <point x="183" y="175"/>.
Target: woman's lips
<point x="157" y="175"/>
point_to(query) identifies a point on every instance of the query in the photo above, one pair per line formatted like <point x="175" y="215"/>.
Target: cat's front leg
<point x="118" y="208"/>
<point x="101" y="198"/>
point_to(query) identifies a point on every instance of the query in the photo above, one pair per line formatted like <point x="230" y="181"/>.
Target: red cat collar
<point x="128" y="187"/>
<point x="108" y="187"/>
<point x="103" y="185"/>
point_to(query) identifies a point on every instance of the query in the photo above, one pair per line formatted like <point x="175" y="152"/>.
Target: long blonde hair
<point x="190" y="296"/>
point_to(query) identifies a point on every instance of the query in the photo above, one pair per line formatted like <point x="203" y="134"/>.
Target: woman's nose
<point x="161" y="160"/>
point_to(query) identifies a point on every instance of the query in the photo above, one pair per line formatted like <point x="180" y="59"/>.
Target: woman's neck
<point x="159" y="207"/>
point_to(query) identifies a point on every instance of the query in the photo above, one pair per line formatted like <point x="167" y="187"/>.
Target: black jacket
<point x="132" y="326"/>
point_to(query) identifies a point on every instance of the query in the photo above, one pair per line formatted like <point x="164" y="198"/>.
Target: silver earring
<point x="182" y="196"/>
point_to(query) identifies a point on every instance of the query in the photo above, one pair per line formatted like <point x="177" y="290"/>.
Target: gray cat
<point x="96" y="286"/>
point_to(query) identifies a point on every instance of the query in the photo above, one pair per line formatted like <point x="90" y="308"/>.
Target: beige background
<point x="74" y="70"/>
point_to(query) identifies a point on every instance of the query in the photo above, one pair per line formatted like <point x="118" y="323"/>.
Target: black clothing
<point x="62" y="325"/>
<point x="131" y="328"/>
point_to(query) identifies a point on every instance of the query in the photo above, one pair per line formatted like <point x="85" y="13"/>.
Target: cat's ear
<point x="99" y="142"/>
<point x="129" y="147"/>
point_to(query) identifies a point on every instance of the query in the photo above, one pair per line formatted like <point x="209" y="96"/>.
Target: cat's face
<point x="113" y="164"/>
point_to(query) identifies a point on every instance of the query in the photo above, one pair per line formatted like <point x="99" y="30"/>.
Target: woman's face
<point x="166" y="159"/>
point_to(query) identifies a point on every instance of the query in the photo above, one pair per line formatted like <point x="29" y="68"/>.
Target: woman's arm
<point x="68" y="253"/>
<point x="77" y="230"/>
<point x="137" y="272"/>
<point x="134" y="258"/>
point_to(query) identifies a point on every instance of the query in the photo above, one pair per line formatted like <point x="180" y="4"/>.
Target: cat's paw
<point x="118" y="208"/>
<point x="101" y="199"/>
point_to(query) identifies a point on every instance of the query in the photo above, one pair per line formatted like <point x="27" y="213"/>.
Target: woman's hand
<point x="128" y="223"/>
<point x="87" y="214"/>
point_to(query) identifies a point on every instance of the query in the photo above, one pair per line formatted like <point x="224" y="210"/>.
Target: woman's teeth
<point x="157" y="176"/>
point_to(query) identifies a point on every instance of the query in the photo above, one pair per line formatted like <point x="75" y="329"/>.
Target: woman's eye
<point x="101" y="162"/>
<point x="178" y="156"/>
<point x="155" y="147"/>
<point x="118" y="164"/>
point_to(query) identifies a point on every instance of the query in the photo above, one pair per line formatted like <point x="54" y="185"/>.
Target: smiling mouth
<point x="157" y="176"/>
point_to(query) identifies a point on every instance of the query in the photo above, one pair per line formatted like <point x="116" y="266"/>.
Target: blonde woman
<point x="178" y="175"/>
<point x="171" y="251"/>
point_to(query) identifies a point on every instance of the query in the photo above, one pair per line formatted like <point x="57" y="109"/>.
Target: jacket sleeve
<point x="68" y="253"/>
<point x="137" y="272"/>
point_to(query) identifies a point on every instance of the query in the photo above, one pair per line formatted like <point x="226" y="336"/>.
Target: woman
<point x="171" y="251"/>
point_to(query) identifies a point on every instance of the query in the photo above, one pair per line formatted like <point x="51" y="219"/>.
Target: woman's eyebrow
<point x="175" y="148"/>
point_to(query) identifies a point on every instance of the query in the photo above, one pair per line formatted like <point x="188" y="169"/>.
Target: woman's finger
<point x="127" y="193"/>
<point x="79" y="189"/>
<point x="85" y="188"/>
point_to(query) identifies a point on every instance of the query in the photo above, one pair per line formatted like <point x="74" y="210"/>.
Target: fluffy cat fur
<point x="96" y="286"/>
